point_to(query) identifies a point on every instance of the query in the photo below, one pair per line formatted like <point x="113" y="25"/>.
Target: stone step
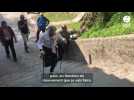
<point x="32" y="77"/>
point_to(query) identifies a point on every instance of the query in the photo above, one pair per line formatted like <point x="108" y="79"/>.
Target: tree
<point x="91" y="18"/>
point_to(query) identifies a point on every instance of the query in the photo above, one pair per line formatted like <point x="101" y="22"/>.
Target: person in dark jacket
<point x="63" y="46"/>
<point x="42" y="23"/>
<point x="7" y="37"/>
<point x="23" y="27"/>
<point x="65" y="33"/>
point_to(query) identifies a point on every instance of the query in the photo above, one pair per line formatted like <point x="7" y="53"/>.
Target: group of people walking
<point x="51" y="44"/>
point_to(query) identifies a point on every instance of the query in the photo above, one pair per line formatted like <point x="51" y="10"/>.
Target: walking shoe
<point x="15" y="60"/>
<point x="8" y="57"/>
<point x="27" y="51"/>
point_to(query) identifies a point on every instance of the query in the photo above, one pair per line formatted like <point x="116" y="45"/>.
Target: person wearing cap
<point x="24" y="29"/>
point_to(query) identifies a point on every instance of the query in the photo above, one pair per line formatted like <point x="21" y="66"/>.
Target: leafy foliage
<point x="111" y="24"/>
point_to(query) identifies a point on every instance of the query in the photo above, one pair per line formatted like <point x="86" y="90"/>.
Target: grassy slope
<point x="75" y="26"/>
<point x="62" y="16"/>
<point x="114" y="27"/>
<point x="59" y="16"/>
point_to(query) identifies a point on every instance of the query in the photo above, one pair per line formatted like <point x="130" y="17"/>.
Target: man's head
<point x="64" y="27"/>
<point x="41" y="14"/>
<point x="22" y="17"/>
<point x="51" y="31"/>
<point x="4" y="24"/>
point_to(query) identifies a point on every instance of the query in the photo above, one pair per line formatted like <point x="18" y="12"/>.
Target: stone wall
<point x="114" y="49"/>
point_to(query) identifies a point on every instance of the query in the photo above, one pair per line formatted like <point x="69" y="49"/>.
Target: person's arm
<point x="61" y="38"/>
<point x="18" y="25"/>
<point x="40" y="45"/>
<point x="1" y="35"/>
<point x="27" y="26"/>
<point x="47" y="20"/>
<point x="38" y="21"/>
<point x="13" y="34"/>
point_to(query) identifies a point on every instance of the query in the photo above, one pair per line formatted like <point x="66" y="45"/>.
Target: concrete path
<point x="27" y="71"/>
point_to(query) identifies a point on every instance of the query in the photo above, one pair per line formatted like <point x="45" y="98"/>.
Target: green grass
<point x="75" y="26"/>
<point x="62" y="16"/>
<point x="59" y="16"/>
<point x="114" y="27"/>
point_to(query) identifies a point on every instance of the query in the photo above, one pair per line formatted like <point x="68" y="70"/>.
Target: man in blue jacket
<point x="42" y="23"/>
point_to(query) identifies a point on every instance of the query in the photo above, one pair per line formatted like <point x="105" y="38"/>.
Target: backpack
<point x="42" y="22"/>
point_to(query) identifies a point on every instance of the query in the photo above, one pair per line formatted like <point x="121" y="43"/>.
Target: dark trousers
<point x="38" y="34"/>
<point x="53" y="65"/>
<point x="9" y="44"/>
<point x="60" y="52"/>
<point x="25" y="39"/>
<point x="50" y="59"/>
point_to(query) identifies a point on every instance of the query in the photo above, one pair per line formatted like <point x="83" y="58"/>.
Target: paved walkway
<point x="27" y="72"/>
